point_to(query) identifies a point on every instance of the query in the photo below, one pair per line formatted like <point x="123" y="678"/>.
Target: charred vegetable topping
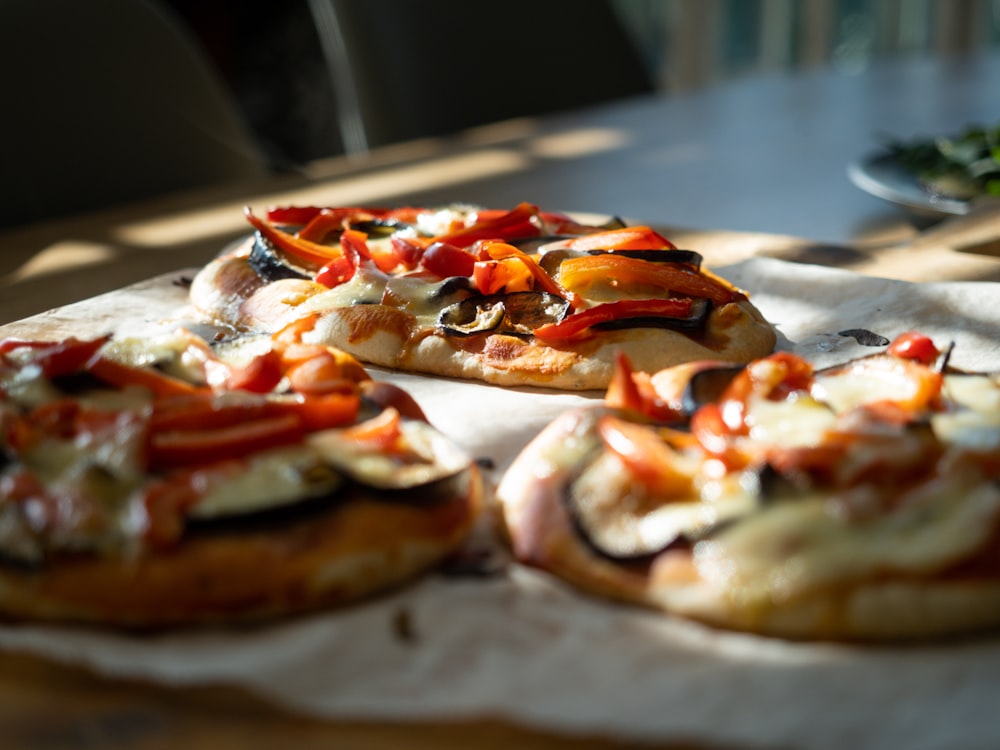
<point x="518" y="313"/>
<point x="525" y="271"/>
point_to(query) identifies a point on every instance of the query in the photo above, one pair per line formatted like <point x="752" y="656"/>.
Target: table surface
<point x="757" y="166"/>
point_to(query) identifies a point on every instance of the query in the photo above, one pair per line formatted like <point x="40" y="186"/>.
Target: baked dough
<point x="392" y="319"/>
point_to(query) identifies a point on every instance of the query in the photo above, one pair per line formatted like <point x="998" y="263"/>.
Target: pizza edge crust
<point x="359" y="547"/>
<point x="228" y="290"/>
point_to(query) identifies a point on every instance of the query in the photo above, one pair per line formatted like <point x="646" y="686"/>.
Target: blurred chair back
<point x="404" y="69"/>
<point x="108" y="102"/>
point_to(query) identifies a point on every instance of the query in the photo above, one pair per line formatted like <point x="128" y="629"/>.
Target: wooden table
<point x="758" y="163"/>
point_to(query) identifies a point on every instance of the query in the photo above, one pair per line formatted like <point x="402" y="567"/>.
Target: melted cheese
<point x="269" y="480"/>
<point x="790" y="548"/>
<point x="801" y="421"/>
<point x="364" y="288"/>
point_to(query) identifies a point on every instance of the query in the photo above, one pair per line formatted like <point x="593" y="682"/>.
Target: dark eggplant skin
<point x="270" y="264"/>
<point x="706" y="386"/>
<point x="377" y="227"/>
<point x="455" y="285"/>
<point x="442" y="490"/>
<point x="582" y="526"/>
<point x="694" y="322"/>
<point x="567" y="489"/>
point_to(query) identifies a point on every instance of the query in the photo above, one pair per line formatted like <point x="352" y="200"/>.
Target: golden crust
<point x="359" y="547"/>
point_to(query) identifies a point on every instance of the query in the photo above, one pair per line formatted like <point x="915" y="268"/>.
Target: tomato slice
<point x="914" y="345"/>
<point x="443" y="260"/>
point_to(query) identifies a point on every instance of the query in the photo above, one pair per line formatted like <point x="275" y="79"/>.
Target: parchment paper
<point x="521" y="646"/>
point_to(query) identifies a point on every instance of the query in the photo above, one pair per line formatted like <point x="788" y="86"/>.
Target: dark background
<point x="421" y="67"/>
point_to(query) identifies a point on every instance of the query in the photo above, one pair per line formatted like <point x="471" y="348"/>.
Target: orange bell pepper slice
<point x="651" y="461"/>
<point x="303" y="249"/>
<point x="581" y="273"/>
<point x="501" y="251"/>
<point x="626" y="238"/>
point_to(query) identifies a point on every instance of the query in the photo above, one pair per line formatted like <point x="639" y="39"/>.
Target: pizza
<point x="518" y="297"/>
<point x="159" y="482"/>
<point x="858" y="502"/>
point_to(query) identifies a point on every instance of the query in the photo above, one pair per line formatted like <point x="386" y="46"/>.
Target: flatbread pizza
<point x="155" y="482"/>
<point x="519" y="297"/>
<point x="858" y="502"/>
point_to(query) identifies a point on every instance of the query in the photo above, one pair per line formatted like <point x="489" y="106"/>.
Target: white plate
<point x="883" y="176"/>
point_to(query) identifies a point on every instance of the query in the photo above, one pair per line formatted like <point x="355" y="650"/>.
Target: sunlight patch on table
<point x="572" y="144"/>
<point x="372" y="188"/>
<point x="64" y="255"/>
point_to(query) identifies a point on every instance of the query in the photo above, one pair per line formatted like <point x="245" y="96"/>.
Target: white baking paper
<point x="520" y="646"/>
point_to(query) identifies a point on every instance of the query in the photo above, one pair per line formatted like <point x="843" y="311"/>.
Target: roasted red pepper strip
<point x="171" y="449"/>
<point x="331" y="220"/>
<point x="556" y="223"/>
<point x="302" y="215"/>
<point x="122" y="375"/>
<point x="634" y="391"/>
<point x="444" y="260"/>
<point x="649" y="460"/>
<point x="310" y="252"/>
<point x="382" y="431"/>
<point x="207" y="411"/>
<point x="57" y="358"/>
<point x="293" y="215"/>
<point x="773" y="377"/>
<point x="327" y="410"/>
<point x="518" y="222"/>
<point x="578" y="324"/>
<point x="607" y="268"/>
<point x="627" y="238"/>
